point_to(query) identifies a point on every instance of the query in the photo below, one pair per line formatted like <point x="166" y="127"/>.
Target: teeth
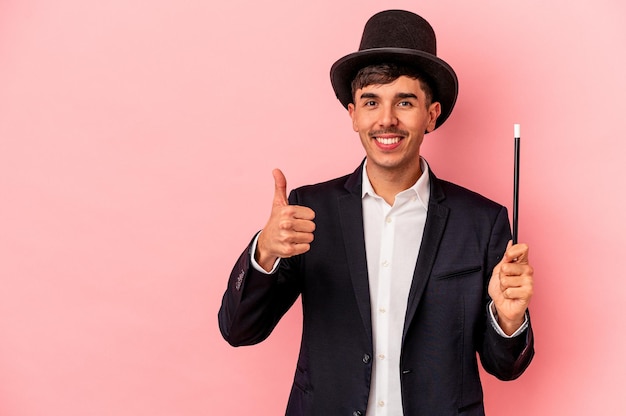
<point x="385" y="140"/>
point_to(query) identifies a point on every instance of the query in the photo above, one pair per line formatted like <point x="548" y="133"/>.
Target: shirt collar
<point x="421" y="188"/>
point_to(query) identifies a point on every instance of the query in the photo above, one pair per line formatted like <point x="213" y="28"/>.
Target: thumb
<point x="509" y="245"/>
<point x="280" y="188"/>
<point x="517" y="253"/>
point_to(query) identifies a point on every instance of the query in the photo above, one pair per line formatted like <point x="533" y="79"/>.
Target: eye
<point x="405" y="104"/>
<point x="370" y="103"/>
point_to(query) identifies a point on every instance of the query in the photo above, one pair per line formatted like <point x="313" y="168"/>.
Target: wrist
<point x="508" y="326"/>
<point x="261" y="260"/>
<point x="266" y="262"/>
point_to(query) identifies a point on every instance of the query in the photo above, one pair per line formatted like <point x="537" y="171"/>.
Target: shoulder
<point x="333" y="188"/>
<point x="469" y="211"/>
<point x="455" y="191"/>
<point x="462" y="199"/>
<point x="335" y="184"/>
<point x="319" y="194"/>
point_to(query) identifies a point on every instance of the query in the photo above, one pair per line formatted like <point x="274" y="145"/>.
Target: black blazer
<point x="446" y="321"/>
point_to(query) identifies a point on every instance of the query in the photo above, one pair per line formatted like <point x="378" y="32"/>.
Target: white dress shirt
<point x="393" y="235"/>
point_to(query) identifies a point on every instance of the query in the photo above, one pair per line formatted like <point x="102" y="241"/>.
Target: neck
<point x="387" y="183"/>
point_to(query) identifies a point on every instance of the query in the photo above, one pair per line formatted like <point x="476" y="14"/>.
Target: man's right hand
<point x="288" y="232"/>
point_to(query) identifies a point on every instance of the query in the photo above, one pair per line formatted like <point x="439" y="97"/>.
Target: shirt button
<point x="381" y="356"/>
<point x="381" y="403"/>
<point x="366" y="358"/>
<point x="382" y="310"/>
<point x="388" y="220"/>
<point x="385" y="263"/>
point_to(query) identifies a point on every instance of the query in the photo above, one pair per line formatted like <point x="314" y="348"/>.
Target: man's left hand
<point x="511" y="287"/>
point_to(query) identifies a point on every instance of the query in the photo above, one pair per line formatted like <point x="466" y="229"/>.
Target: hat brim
<point x="443" y="77"/>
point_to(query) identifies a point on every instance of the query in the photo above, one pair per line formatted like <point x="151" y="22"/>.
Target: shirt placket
<point x="383" y="316"/>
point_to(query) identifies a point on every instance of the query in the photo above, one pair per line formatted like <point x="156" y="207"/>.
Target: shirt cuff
<point x="494" y="323"/>
<point x="254" y="263"/>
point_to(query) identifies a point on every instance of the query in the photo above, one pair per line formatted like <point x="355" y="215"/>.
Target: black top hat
<point x="404" y="38"/>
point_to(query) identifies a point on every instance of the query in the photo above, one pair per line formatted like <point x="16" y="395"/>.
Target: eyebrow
<point x="368" y="95"/>
<point x="402" y="95"/>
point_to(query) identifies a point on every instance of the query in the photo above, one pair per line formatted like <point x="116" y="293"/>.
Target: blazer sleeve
<point x="254" y="302"/>
<point x="505" y="358"/>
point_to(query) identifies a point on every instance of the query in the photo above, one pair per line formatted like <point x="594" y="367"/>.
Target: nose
<point x="387" y="117"/>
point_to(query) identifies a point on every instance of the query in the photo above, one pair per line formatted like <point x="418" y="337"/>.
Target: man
<point x="403" y="276"/>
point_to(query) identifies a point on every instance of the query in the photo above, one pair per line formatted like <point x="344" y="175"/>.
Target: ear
<point x="351" y="111"/>
<point x="434" y="111"/>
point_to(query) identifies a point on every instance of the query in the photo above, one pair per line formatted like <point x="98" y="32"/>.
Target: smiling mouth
<point x="387" y="140"/>
<point x="388" y="137"/>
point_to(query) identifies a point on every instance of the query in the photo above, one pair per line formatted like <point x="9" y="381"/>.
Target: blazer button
<point x="357" y="413"/>
<point x="366" y="358"/>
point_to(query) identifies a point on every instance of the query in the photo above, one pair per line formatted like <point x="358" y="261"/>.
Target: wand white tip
<point x="516" y="131"/>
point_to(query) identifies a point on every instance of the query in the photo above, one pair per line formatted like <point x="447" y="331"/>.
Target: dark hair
<point x="387" y="73"/>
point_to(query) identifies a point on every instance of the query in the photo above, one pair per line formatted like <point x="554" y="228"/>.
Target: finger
<point x="280" y="188"/>
<point x="302" y="238"/>
<point x="514" y="281"/>
<point x="516" y="269"/>
<point x="300" y="212"/>
<point x="521" y="294"/>
<point x="294" y="249"/>
<point x="292" y="228"/>
<point x="302" y="247"/>
<point x="303" y="226"/>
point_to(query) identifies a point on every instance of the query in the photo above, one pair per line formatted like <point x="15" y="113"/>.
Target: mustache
<point x="397" y="132"/>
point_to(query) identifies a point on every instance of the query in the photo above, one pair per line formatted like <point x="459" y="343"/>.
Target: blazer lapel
<point x="351" y="216"/>
<point x="433" y="232"/>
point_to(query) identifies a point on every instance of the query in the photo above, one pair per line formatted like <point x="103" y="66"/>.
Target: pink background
<point x="136" y="146"/>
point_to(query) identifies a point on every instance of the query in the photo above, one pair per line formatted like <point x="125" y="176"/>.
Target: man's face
<point x="391" y="120"/>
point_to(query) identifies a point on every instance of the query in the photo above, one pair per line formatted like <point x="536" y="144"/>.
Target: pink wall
<point x="136" y="146"/>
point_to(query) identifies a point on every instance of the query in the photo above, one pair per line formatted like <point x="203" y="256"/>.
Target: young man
<point x="403" y="276"/>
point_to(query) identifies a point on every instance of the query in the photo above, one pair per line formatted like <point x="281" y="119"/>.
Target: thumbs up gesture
<point x="289" y="230"/>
